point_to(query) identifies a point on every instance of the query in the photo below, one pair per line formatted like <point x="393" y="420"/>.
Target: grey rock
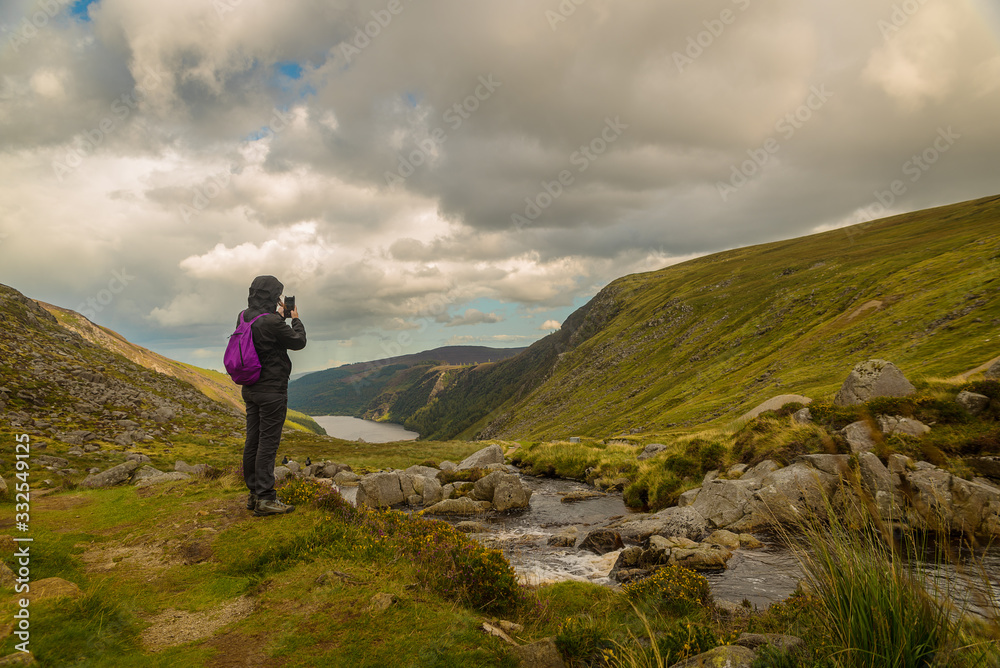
<point x="75" y="452"/>
<point x="709" y="477"/>
<point x="540" y="654"/>
<point x="565" y="538"/>
<point x="173" y="476"/>
<point x="448" y="466"/>
<point x="986" y="466"/>
<point x="510" y="494"/>
<point x="723" y="502"/>
<point x="431" y="491"/>
<point x="651" y="450"/>
<point x="138" y="457"/>
<point x="737" y="470"/>
<point x="115" y="475"/>
<point x="200" y="469"/>
<point x="91" y="447"/>
<point x="425" y="471"/>
<point x="486" y="486"/>
<point x="146" y="472"/>
<point x="675" y="521"/>
<point x="789" y="494"/>
<point x="415" y="500"/>
<point x="379" y="490"/>
<point x="897" y="424"/>
<point x="448" y="491"/>
<point x="280" y="473"/>
<point x="460" y="506"/>
<point x="712" y="558"/>
<point x="49" y="460"/>
<point x="602" y="541"/>
<point x="346" y="478"/>
<point x="129" y="425"/>
<point x="723" y="538"/>
<point x="292" y="466"/>
<point x="724" y="656"/>
<point x="688" y="498"/>
<point x="802" y="416"/>
<point x="859" y="436"/>
<point x="946" y="502"/>
<point x="164" y="414"/>
<point x="832" y="464"/>
<point x="77" y="437"/>
<point x="406" y="484"/>
<point x="761" y="471"/>
<point x="993" y="373"/>
<point x="3" y="487"/>
<point x="973" y="402"/>
<point x="492" y="454"/>
<point x="874" y="378"/>
<point x="899" y="463"/>
<point x="787" y="644"/>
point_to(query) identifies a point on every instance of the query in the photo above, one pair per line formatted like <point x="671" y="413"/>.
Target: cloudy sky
<point x="430" y="172"/>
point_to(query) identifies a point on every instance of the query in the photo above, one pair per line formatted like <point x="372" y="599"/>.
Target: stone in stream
<point x="602" y="541"/>
<point x="460" y="506"/>
<point x="565" y="538"/>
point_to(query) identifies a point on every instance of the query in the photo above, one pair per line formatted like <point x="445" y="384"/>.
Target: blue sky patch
<point x="79" y="9"/>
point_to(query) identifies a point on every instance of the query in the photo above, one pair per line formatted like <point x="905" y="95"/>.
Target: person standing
<point x="267" y="399"/>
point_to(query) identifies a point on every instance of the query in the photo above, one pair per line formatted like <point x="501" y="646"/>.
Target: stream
<point x="762" y="577"/>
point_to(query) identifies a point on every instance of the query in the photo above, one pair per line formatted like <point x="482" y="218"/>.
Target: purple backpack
<point x="241" y="360"/>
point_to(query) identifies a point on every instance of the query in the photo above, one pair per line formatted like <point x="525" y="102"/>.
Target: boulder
<point x="688" y="498"/>
<point x="292" y="466"/>
<point x="651" y="450"/>
<point x="201" y="469"/>
<point x="723" y="502"/>
<point x="115" y="475"/>
<point x="173" y="476"/>
<point x="540" y="654"/>
<point x="833" y="464"/>
<point x="425" y="471"/>
<point x="430" y="491"/>
<point x="448" y="466"/>
<point x="49" y="460"/>
<point x="3" y="487"/>
<point x="379" y="490"/>
<point x="789" y="494"/>
<point x="146" y="471"/>
<point x="486" y="486"/>
<point x="859" y="436"/>
<point x="406" y="484"/>
<point x="737" y="470"/>
<point x="469" y="526"/>
<point x="492" y="454"/>
<point x="985" y="466"/>
<point x="346" y="478"/>
<point x="944" y="501"/>
<point x="138" y="457"/>
<point x="674" y="521"/>
<point x="993" y="373"/>
<point x="510" y="494"/>
<point x="565" y="538"/>
<point x="750" y="542"/>
<point x="787" y="644"/>
<point x="774" y="404"/>
<point x="897" y="424"/>
<point x="802" y="416"/>
<point x="164" y="414"/>
<point x="280" y="473"/>
<point x="77" y="437"/>
<point x="723" y="538"/>
<point x="760" y="471"/>
<point x="724" y="656"/>
<point x="602" y="541"/>
<point x="874" y="378"/>
<point x="460" y="506"/>
<point x="973" y="402"/>
<point x="711" y="558"/>
<point x="626" y="563"/>
<point x="900" y="463"/>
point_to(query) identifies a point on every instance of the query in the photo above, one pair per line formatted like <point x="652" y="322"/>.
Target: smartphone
<point x="289" y="306"/>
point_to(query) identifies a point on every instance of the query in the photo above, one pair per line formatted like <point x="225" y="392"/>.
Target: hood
<point x="264" y="294"/>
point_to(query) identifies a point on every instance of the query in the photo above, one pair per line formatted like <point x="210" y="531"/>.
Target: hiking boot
<point x="251" y="501"/>
<point x="271" y="507"/>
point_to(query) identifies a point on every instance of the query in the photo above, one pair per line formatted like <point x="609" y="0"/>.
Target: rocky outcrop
<point x="993" y="373"/>
<point x="482" y="458"/>
<point x="874" y="378"/>
<point x="651" y="451"/>
<point x="115" y="475"/>
<point x="379" y="490"/>
<point x="897" y="424"/>
<point x="460" y="506"/>
<point x="859" y="436"/>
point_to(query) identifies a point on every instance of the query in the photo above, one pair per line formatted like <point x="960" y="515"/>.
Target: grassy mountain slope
<point x="368" y="389"/>
<point x="704" y="341"/>
<point x="213" y="384"/>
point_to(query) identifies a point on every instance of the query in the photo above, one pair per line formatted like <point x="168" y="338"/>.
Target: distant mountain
<point x="704" y="341"/>
<point x="371" y="389"/>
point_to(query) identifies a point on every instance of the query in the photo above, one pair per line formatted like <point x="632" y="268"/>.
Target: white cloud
<point x="474" y="317"/>
<point x="550" y="325"/>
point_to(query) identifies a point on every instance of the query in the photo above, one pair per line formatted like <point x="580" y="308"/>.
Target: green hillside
<point x="701" y="342"/>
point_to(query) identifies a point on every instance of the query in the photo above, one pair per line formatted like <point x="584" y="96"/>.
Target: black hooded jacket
<point x="272" y="337"/>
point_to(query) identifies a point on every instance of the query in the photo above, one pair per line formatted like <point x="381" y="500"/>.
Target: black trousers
<point x="265" y="419"/>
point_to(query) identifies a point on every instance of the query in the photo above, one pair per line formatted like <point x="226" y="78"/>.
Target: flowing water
<point x="760" y="577"/>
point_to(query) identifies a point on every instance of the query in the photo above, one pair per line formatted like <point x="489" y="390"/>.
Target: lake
<point x="354" y="429"/>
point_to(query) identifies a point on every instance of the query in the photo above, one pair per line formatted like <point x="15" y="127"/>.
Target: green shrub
<point x="683" y="465"/>
<point x="713" y="456"/>
<point x="682" y="640"/>
<point x="300" y="491"/>
<point x="580" y="638"/>
<point x="672" y="588"/>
